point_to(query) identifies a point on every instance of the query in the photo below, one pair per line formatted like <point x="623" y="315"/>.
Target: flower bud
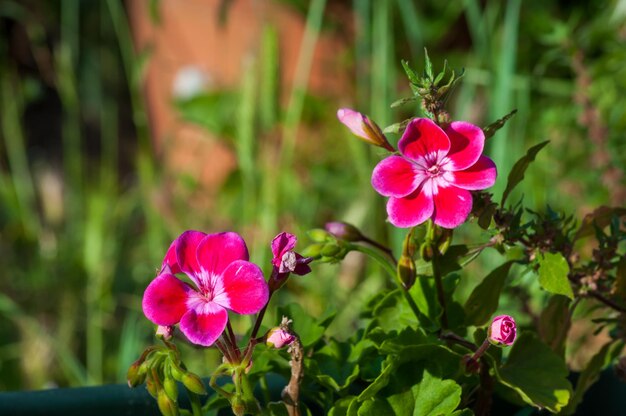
<point x="344" y="231"/>
<point x="193" y="383"/>
<point x="330" y="250"/>
<point x="238" y="406"/>
<point x="279" y="338"/>
<point x="166" y="405"/>
<point x="151" y="387"/>
<point x="136" y="374"/>
<point x="502" y="331"/>
<point x="165" y="332"/>
<point x="365" y="129"/>
<point x="318" y="235"/>
<point x="406" y="271"/>
<point x="171" y="388"/>
<point x="314" y="250"/>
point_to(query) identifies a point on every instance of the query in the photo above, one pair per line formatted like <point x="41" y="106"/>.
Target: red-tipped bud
<point x="362" y="127"/>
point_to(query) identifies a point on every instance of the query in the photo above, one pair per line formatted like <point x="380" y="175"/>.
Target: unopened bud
<point x="365" y="129"/>
<point x="151" y="387"/>
<point x="426" y="251"/>
<point x="171" y="388"/>
<point x="314" y="250"/>
<point x="279" y="338"/>
<point x="406" y="271"/>
<point x="165" y="332"/>
<point x="330" y="250"/>
<point x="318" y="235"/>
<point x="344" y="231"/>
<point x="166" y="405"/>
<point x="136" y="374"/>
<point x="238" y="406"/>
<point x="502" y="331"/>
<point x="193" y="383"/>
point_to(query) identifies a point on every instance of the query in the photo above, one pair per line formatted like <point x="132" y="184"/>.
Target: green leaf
<point x="403" y="101"/>
<point x="553" y="271"/>
<point x="431" y="396"/>
<point x="381" y="381"/>
<point x="536" y="373"/>
<point x="434" y="396"/>
<point x="410" y="73"/>
<point x="484" y="299"/>
<point x="590" y="374"/>
<point x="307" y="328"/>
<point x="425" y="296"/>
<point x="517" y="172"/>
<point x="491" y="129"/>
<point x="336" y="370"/>
<point x="393" y="313"/>
<point x="554" y="323"/>
<point x="341" y="406"/>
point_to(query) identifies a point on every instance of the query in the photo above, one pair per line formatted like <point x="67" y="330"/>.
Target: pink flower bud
<point x="344" y="231"/>
<point x="364" y="128"/>
<point x="279" y="338"/>
<point x="502" y="330"/>
<point x="167" y="332"/>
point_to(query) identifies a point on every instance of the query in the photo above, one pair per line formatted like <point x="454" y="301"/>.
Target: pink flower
<point x="285" y="259"/>
<point x="278" y="338"/>
<point x="222" y="277"/>
<point x="362" y="127"/>
<point x="502" y="330"/>
<point x="434" y="174"/>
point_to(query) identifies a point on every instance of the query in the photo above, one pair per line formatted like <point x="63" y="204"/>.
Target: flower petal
<point x="452" y="206"/>
<point x="244" y="289"/>
<point x="353" y="120"/>
<point x="411" y="210"/>
<point x="423" y="139"/>
<point x="165" y="300"/>
<point x="170" y="259"/>
<point x="481" y="175"/>
<point x="205" y="324"/>
<point x="217" y="251"/>
<point x="280" y="244"/>
<point x="186" y="246"/>
<point x="396" y="176"/>
<point x="466" y="145"/>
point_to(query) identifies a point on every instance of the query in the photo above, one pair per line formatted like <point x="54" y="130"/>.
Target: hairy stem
<point x="441" y="295"/>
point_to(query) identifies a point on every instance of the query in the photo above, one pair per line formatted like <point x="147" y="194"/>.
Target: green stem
<point x="221" y="370"/>
<point x="196" y="406"/>
<point x="441" y="295"/>
<point x="389" y="268"/>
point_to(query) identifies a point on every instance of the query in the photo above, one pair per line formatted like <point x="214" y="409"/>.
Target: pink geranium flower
<point x="434" y="174"/>
<point x="222" y="277"/>
<point x="285" y="260"/>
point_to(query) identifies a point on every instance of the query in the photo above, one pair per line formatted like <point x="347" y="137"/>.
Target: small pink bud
<point x="364" y="128"/>
<point x="167" y="332"/>
<point x="279" y="338"/>
<point x="344" y="231"/>
<point x="502" y="330"/>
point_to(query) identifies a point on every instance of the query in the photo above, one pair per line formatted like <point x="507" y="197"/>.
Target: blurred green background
<point x="87" y="210"/>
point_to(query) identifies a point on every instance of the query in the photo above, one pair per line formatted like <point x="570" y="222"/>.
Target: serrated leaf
<point x="491" y="129"/>
<point x="393" y="313"/>
<point x="485" y="298"/>
<point x="410" y="73"/>
<point x="607" y="354"/>
<point x="336" y="370"/>
<point x="403" y="101"/>
<point x="397" y="127"/>
<point x="434" y="396"/>
<point x="553" y="271"/>
<point x="536" y="373"/>
<point x="600" y="217"/>
<point x="517" y="172"/>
